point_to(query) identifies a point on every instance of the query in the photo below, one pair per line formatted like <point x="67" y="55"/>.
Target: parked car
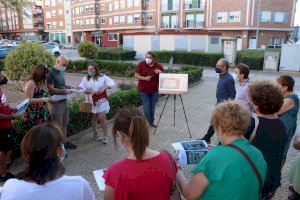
<point x="4" y="50"/>
<point x="57" y="42"/>
<point x="71" y="46"/>
<point x="54" y="49"/>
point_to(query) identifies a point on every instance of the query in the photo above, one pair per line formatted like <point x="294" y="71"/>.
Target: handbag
<point x="252" y="165"/>
<point x="175" y="192"/>
<point x="86" y="107"/>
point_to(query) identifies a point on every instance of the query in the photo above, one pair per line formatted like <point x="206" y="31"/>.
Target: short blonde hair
<point x="231" y="117"/>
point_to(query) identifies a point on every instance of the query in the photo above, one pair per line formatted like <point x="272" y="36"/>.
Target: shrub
<point x="253" y="58"/>
<point x="115" y="54"/>
<point x="109" y="67"/>
<point x="19" y="63"/>
<point x="87" y="50"/>
<point x="195" y="73"/>
<point x="189" y="57"/>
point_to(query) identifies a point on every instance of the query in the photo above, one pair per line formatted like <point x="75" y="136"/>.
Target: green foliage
<point x="19" y="63"/>
<point x="87" y="50"/>
<point x="109" y="67"/>
<point x="115" y="54"/>
<point x="124" y="86"/>
<point x="14" y="5"/>
<point x="253" y="58"/>
<point x="189" y="57"/>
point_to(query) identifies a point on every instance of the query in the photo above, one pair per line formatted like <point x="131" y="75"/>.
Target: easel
<point x="171" y="69"/>
<point x="175" y="96"/>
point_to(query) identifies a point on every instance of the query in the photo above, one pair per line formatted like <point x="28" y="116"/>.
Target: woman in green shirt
<point x="224" y="173"/>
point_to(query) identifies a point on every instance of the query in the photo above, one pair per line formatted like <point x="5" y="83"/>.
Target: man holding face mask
<point x="147" y="72"/>
<point x="56" y="86"/>
<point x="225" y="90"/>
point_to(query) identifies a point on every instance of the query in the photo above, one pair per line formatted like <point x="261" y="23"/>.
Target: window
<point x="60" y="11"/>
<point x="279" y="17"/>
<point x="222" y="17"/>
<point x="214" y="40"/>
<point x="149" y="16"/>
<point x="61" y="23"/>
<point x="91" y="8"/>
<point x="87" y="9"/>
<point x="116" y="5"/>
<point x="92" y="21"/>
<point x="102" y="20"/>
<point x="122" y="4"/>
<point x="136" y="17"/>
<point x="265" y="16"/>
<point x="102" y="6"/>
<point x="148" y="1"/>
<point x="110" y="7"/>
<point x="110" y="21"/>
<point x="116" y="19"/>
<point x="47" y="4"/>
<point x="48" y="14"/>
<point x="129" y="19"/>
<point x="53" y="2"/>
<point x="53" y="13"/>
<point x="136" y="2"/>
<point x="122" y="19"/>
<point x="235" y="16"/>
<point x="129" y="3"/>
<point x="54" y="23"/>
<point x="87" y="21"/>
<point x="275" y="41"/>
<point x="77" y="11"/>
<point x="112" y="37"/>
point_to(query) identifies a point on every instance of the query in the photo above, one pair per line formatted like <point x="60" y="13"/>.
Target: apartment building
<point x="58" y="20"/>
<point x="240" y="19"/>
<point x="24" y="25"/>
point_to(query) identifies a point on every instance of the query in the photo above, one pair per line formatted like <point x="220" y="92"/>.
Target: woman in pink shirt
<point x="144" y="174"/>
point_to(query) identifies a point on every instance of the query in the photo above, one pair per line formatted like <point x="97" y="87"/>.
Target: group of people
<point x="41" y="87"/>
<point x="254" y="123"/>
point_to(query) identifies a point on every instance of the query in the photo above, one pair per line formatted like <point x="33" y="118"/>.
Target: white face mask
<point x="149" y="60"/>
<point x="64" y="154"/>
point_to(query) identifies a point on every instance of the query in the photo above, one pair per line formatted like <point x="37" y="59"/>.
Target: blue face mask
<point x="218" y="70"/>
<point x="62" y="68"/>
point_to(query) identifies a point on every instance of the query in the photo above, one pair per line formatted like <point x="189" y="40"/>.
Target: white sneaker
<point x="105" y="140"/>
<point x="97" y="136"/>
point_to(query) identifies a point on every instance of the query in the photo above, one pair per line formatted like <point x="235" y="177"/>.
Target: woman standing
<point x="95" y="86"/>
<point x="43" y="176"/>
<point x="144" y="174"/>
<point x="289" y="110"/>
<point x="36" y="91"/>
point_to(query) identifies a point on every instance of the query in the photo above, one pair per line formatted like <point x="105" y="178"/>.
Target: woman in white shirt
<point x="43" y="177"/>
<point x="95" y="86"/>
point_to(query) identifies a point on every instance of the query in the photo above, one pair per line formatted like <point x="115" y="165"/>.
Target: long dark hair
<point x="39" y="148"/>
<point x="96" y="69"/>
<point x="132" y="124"/>
<point x="39" y="74"/>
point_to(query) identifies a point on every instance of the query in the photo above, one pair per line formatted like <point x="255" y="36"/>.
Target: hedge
<point x="115" y="54"/>
<point x="113" y="68"/>
<point x="253" y="58"/>
<point x="189" y="57"/>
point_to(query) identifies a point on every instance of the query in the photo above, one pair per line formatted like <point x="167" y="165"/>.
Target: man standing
<point x="225" y="90"/>
<point x="56" y="85"/>
<point x="147" y="72"/>
<point x="242" y="72"/>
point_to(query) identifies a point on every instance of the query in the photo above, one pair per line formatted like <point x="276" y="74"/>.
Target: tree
<point x="19" y="63"/>
<point x="14" y="5"/>
<point x="88" y="50"/>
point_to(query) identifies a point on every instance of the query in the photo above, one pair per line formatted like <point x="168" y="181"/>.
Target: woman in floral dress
<point x="36" y="91"/>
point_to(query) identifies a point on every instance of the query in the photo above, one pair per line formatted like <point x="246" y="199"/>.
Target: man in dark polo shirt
<point x="225" y="90"/>
<point x="56" y="85"/>
<point x="147" y="72"/>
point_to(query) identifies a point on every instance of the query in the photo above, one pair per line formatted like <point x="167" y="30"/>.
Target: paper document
<point x="190" y="152"/>
<point x="59" y="97"/>
<point x="98" y="177"/>
<point x="22" y="106"/>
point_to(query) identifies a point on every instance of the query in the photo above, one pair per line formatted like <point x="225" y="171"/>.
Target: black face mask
<point x="3" y="81"/>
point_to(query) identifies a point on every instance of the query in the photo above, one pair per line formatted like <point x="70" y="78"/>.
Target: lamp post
<point x="82" y="38"/>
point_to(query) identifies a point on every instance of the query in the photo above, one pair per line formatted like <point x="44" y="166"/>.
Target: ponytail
<point x="139" y="136"/>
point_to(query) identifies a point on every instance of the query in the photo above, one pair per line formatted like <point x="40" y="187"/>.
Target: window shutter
<point x="272" y="16"/>
<point x="286" y="17"/>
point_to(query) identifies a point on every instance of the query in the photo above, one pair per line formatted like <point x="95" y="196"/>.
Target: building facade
<point x="240" y="19"/>
<point x="24" y="25"/>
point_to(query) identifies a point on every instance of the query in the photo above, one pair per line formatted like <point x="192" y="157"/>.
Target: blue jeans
<point x="149" y="101"/>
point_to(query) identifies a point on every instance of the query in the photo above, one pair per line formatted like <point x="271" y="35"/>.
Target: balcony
<point x="193" y="6"/>
<point x="169" y="26"/>
<point x="171" y="8"/>
<point x="193" y="24"/>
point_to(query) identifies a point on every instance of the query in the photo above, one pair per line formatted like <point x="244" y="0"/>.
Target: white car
<point x="54" y="49"/>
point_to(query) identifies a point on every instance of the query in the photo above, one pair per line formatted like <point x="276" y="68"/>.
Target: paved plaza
<point x="199" y="102"/>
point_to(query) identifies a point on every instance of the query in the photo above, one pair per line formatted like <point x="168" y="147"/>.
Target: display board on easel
<point x="173" y="83"/>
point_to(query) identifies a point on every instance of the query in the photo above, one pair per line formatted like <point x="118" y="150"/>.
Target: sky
<point x="297" y="16"/>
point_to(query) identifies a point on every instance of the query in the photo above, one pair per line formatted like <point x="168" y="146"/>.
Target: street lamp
<point x="82" y="38"/>
<point x="258" y="18"/>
